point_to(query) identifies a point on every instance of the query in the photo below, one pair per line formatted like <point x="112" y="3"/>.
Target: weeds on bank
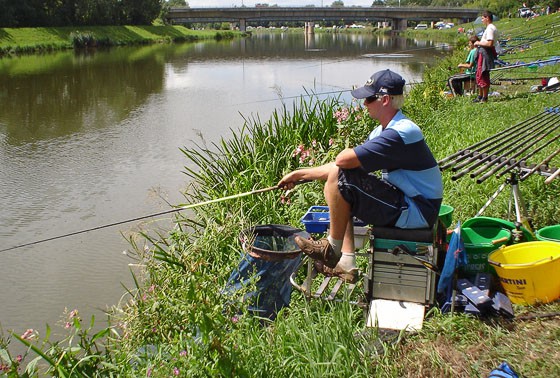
<point x="79" y="354"/>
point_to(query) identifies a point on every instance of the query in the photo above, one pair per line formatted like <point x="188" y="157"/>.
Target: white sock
<point x="336" y="245"/>
<point x="347" y="261"/>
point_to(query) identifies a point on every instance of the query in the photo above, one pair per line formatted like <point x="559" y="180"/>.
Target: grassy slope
<point x="32" y="39"/>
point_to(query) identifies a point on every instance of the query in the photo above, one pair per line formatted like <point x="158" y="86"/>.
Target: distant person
<point x="407" y="193"/>
<point x="466" y="80"/>
<point x="486" y="54"/>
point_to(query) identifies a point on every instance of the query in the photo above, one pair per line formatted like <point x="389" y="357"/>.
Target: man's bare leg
<point x="348" y="260"/>
<point x="339" y="211"/>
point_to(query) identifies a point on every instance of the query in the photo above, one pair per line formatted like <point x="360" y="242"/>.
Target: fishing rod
<point x="450" y="160"/>
<point x="177" y="209"/>
<point x="538" y="166"/>
<point x="524" y="64"/>
<point x="485" y="151"/>
<point x="507" y="149"/>
<point x="552" y="176"/>
<point x="505" y="160"/>
<point x="530" y="154"/>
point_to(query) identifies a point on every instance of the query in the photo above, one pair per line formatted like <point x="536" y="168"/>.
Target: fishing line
<point x="363" y="56"/>
<point x="177" y="209"/>
<point x="308" y="95"/>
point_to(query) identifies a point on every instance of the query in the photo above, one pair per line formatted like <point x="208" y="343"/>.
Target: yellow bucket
<point x="528" y="271"/>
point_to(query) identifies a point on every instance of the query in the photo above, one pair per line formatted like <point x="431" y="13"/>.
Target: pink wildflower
<point x="175" y="371"/>
<point x="19" y="358"/>
<point x="73" y="314"/>
<point x="29" y="334"/>
<point x="298" y="150"/>
<point x="342" y="115"/>
<point x="183" y="353"/>
<point x="67" y="325"/>
<point x="149" y="372"/>
<point x="235" y="319"/>
<point x="331" y="141"/>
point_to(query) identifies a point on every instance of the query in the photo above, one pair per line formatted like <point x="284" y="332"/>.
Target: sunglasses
<point x="370" y="99"/>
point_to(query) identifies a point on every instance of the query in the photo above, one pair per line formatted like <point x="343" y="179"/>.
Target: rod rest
<point x="408" y="234"/>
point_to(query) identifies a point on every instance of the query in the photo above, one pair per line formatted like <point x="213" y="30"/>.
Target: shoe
<point x="320" y="250"/>
<point x="478" y="99"/>
<point x="348" y="276"/>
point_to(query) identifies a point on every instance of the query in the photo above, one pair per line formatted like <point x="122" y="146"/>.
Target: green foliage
<point x="35" y="13"/>
<point x="224" y="35"/>
<point x="80" y="354"/>
<point x="87" y="39"/>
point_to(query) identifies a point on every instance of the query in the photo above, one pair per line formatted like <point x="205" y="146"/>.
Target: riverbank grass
<point x="29" y="40"/>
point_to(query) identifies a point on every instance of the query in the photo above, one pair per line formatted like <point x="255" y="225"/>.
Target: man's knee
<point x="332" y="180"/>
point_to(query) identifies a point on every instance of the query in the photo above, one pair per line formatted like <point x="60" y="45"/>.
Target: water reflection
<point x="89" y="139"/>
<point x="84" y="91"/>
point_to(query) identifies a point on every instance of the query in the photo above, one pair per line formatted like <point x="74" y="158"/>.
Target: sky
<point x="280" y="3"/>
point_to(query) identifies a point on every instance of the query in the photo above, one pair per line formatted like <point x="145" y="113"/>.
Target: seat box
<point x="400" y="276"/>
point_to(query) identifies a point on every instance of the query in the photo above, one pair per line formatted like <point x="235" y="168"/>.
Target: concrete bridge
<point x="399" y="16"/>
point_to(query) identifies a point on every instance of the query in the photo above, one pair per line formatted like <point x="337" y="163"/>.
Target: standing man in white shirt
<point x="486" y="54"/>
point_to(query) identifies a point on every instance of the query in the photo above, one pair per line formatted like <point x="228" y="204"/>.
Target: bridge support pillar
<point x="399" y="24"/>
<point x="242" y="25"/>
<point x="309" y="28"/>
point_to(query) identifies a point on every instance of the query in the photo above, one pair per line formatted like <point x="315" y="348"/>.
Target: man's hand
<point x="288" y="181"/>
<point x="305" y="174"/>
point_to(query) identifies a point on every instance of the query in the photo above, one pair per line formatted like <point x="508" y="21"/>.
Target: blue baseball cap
<point x="384" y="82"/>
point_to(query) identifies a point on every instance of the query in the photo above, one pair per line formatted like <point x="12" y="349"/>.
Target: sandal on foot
<point x="320" y="250"/>
<point x="349" y="276"/>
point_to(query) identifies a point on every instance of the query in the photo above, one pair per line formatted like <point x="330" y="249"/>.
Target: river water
<point x="88" y="139"/>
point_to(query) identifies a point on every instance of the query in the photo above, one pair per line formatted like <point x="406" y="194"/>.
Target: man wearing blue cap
<point x="408" y="194"/>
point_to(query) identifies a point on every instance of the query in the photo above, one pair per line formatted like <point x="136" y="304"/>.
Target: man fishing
<point x="407" y="195"/>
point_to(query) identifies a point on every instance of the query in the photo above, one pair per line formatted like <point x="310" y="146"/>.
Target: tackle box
<point x="396" y="275"/>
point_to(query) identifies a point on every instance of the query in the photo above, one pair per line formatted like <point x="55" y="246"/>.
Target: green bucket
<point x="479" y="242"/>
<point x="498" y="223"/>
<point x="549" y="233"/>
<point x="446" y="215"/>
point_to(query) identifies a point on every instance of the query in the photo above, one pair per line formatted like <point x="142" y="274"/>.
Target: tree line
<point x="35" y="13"/>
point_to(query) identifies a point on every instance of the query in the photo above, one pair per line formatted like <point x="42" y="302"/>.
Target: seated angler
<point x="407" y="195"/>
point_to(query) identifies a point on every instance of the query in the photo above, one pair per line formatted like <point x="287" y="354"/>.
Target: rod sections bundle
<point x="511" y="149"/>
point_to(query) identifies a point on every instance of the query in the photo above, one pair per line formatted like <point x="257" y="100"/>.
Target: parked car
<point x="421" y="27"/>
<point x="525" y="12"/>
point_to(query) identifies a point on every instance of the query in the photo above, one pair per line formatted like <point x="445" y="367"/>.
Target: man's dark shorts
<point x="371" y="199"/>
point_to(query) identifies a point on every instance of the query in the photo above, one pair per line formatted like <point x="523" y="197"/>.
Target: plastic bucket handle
<point x="521" y="265"/>
<point x="500" y="240"/>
